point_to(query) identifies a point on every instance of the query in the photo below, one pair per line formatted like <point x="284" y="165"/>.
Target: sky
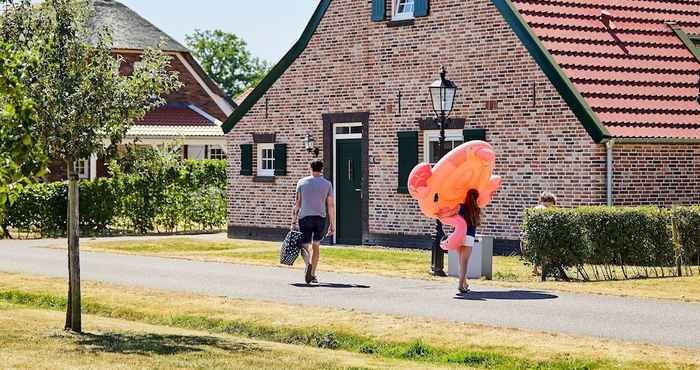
<point x="270" y="27"/>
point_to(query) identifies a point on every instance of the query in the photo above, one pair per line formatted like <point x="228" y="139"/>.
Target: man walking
<point x="314" y="206"/>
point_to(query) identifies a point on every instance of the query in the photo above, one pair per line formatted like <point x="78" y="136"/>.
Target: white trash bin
<point x="480" y="262"/>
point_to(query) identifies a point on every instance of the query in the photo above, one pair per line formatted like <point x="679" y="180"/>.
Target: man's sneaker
<point x="314" y="280"/>
<point x="308" y="277"/>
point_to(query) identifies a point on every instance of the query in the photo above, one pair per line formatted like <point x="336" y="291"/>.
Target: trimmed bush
<point x="146" y="193"/>
<point x="635" y="239"/>
<point x="686" y="234"/>
<point x="555" y="240"/>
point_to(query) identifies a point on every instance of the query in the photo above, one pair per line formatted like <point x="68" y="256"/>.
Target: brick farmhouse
<point x="192" y="115"/>
<point x="596" y="101"/>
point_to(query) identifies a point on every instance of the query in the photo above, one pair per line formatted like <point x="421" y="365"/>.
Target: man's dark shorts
<point x="312" y="228"/>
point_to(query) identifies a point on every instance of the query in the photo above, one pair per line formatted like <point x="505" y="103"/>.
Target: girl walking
<point x="472" y="216"/>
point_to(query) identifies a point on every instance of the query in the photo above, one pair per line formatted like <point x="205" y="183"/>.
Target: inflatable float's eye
<point x="436" y="198"/>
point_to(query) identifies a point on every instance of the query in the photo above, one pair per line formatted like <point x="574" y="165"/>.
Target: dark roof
<point x="629" y="65"/>
<point x="175" y="115"/>
<point x="129" y="29"/>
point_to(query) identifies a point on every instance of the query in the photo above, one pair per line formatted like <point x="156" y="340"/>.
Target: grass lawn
<point x="149" y="328"/>
<point x="30" y="338"/>
<point x="508" y="271"/>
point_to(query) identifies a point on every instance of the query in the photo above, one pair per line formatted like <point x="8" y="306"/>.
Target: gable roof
<point x="636" y="80"/>
<point x="627" y="68"/>
<point x="129" y="29"/>
<point x="279" y="68"/>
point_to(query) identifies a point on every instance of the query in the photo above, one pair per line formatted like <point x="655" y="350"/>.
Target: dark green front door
<point x="349" y="191"/>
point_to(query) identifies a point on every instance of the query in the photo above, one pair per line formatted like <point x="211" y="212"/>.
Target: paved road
<point x="650" y="321"/>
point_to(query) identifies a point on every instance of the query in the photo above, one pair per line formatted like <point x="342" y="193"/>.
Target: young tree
<point x="82" y="102"/>
<point x="225" y="57"/>
<point x="20" y="160"/>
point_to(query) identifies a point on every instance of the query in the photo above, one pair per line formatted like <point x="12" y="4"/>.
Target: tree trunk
<point x="73" y="322"/>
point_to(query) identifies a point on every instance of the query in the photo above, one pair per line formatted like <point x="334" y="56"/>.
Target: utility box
<point x="480" y="263"/>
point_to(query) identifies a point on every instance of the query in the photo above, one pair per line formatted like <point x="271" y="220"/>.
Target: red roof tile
<point x="636" y="74"/>
<point x="175" y="115"/>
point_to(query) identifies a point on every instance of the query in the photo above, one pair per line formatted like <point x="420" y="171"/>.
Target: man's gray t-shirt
<point x="314" y="193"/>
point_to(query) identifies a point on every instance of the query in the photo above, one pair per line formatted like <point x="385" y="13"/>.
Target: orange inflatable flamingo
<point x="441" y="189"/>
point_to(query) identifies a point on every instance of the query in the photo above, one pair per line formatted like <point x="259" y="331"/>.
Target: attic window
<point x="695" y="39"/>
<point x="402" y="9"/>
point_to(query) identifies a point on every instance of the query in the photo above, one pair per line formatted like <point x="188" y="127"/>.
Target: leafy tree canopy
<point x="225" y="57"/>
<point x="20" y="159"/>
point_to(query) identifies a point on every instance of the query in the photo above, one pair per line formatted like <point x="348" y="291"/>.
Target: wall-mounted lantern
<point x="310" y="145"/>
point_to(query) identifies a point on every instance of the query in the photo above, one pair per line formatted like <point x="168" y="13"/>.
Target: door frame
<point x="338" y="137"/>
<point x="330" y="122"/>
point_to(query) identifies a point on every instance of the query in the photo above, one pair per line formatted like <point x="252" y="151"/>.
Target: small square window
<point x="453" y="139"/>
<point x="403" y="9"/>
<point x="216" y="152"/>
<point x="266" y="160"/>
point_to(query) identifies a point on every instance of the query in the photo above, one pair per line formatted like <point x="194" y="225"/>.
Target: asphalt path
<point x="641" y="320"/>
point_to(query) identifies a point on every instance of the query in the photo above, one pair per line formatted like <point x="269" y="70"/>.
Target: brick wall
<point x="663" y="175"/>
<point x="355" y="65"/>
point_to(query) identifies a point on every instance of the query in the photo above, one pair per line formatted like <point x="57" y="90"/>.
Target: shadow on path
<point x="514" y="295"/>
<point x="331" y="285"/>
<point x="145" y="344"/>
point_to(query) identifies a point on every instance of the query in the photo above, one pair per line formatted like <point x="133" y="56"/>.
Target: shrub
<point x="41" y="208"/>
<point x="686" y="233"/>
<point x="555" y="240"/>
<point x="98" y="208"/>
<point x="636" y="238"/>
<point x="148" y="190"/>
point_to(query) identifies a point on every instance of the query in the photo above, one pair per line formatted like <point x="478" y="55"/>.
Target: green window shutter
<point x="280" y="159"/>
<point x="408" y="157"/>
<point x="474" y="134"/>
<point x="421" y="8"/>
<point x="378" y="10"/>
<point x="246" y="159"/>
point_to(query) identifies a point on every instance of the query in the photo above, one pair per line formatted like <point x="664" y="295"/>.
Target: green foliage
<point x="225" y="57"/>
<point x="148" y="191"/>
<point x="21" y="160"/>
<point x="40" y="207"/>
<point x="686" y="232"/>
<point x="555" y="240"/>
<point x="601" y="236"/>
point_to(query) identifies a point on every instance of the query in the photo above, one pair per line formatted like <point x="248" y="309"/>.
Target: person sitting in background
<point x="547" y="200"/>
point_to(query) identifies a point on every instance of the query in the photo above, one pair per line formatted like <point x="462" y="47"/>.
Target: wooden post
<point x="73" y="321"/>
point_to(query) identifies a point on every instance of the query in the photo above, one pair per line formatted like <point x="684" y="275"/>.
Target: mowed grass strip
<point x="386" y="336"/>
<point x="324" y="339"/>
<point x="30" y="339"/>
<point x="509" y="272"/>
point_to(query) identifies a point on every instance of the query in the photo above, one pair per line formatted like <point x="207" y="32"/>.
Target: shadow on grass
<point x="331" y="285"/>
<point x="513" y="295"/>
<point x="150" y="344"/>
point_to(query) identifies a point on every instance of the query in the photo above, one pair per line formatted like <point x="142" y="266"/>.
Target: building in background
<point x="592" y="100"/>
<point x="192" y="116"/>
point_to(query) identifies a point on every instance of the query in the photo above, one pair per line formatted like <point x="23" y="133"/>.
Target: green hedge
<point x="686" y="234"/>
<point x="184" y="195"/>
<point x="638" y="241"/>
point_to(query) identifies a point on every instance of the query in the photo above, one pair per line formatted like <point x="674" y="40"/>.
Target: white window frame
<point x="85" y="164"/>
<point x="217" y="147"/>
<point x="266" y="172"/>
<point x="434" y="136"/>
<point x="396" y="16"/>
